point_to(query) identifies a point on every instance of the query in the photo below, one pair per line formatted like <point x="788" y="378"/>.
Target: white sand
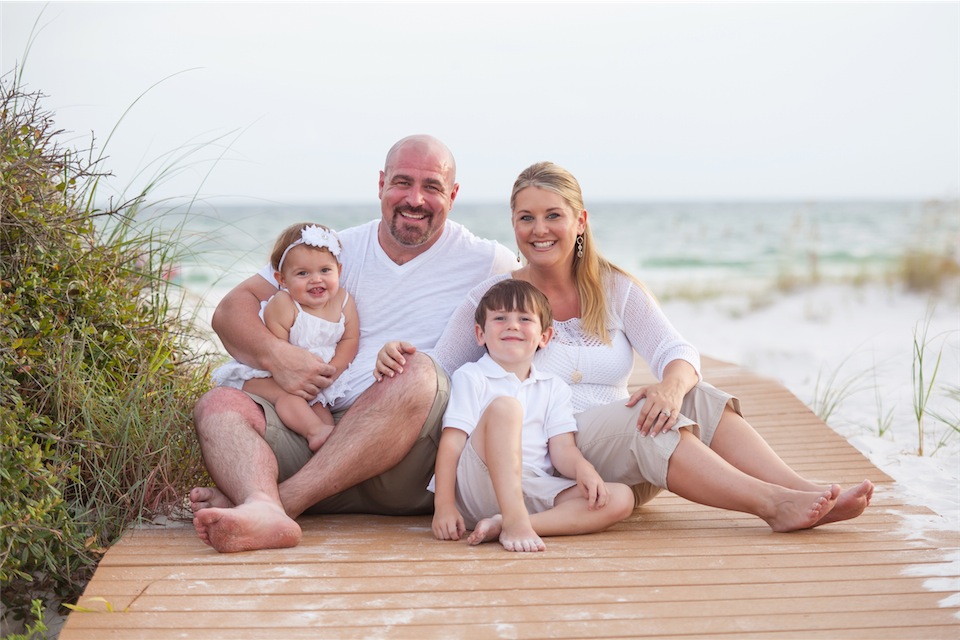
<point x="861" y="340"/>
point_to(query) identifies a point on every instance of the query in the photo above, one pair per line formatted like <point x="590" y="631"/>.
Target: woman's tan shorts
<point x="609" y="439"/>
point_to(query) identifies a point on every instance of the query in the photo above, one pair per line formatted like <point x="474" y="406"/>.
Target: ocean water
<point x="676" y="248"/>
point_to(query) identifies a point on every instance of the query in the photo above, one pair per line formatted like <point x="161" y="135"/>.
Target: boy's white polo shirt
<point x="546" y="401"/>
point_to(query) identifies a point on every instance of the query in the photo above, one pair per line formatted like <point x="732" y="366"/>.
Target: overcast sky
<point x="642" y="101"/>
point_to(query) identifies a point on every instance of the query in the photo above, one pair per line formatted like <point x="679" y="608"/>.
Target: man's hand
<point x="300" y="372"/>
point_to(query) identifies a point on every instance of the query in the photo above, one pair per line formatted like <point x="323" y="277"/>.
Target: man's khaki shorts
<point x="401" y="490"/>
<point x="608" y="437"/>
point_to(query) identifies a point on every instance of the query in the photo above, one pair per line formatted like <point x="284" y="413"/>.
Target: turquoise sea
<point x="677" y="248"/>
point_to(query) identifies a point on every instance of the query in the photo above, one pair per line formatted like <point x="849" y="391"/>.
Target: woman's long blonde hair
<point x="589" y="270"/>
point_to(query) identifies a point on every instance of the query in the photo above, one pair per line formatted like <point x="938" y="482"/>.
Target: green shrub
<point x="99" y="370"/>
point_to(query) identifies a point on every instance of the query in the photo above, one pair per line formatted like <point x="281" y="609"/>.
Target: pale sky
<point x="298" y="103"/>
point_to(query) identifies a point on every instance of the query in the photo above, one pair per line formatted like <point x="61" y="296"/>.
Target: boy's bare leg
<point x="497" y="440"/>
<point x="739" y="444"/>
<point x="572" y="516"/>
<point x="373" y="436"/>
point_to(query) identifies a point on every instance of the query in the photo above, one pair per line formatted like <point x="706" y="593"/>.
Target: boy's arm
<point x="569" y="461"/>
<point x="447" y="521"/>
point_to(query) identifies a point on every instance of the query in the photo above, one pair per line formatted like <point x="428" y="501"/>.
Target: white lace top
<point x="597" y="372"/>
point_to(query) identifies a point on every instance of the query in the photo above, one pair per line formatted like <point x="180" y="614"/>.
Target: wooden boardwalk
<point x="674" y="569"/>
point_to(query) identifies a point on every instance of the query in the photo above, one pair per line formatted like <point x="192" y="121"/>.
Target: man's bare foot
<point x="795" y="510"/>
<point x="258" y="523"/>
<point x="207" y="497"/>
<point x="523" y="539"/>
<point x="850" y="504"/>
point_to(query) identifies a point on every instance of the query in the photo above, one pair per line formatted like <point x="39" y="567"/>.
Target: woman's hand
<point x="660" y="408"/>
<point x="391" y="359"/>
<point x="663" y="400"/>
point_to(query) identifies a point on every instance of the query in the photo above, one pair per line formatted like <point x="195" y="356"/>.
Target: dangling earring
<point x="579" y="246"/>
<point x="518" y="256"/>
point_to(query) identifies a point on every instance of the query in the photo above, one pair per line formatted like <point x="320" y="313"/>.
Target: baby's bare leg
<point x="295" y="412"/>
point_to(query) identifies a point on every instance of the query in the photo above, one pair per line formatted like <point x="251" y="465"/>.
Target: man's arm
<point x="237" y="323"/>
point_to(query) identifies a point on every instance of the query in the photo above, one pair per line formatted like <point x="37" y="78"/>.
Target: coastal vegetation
<point x="99" y="366"/>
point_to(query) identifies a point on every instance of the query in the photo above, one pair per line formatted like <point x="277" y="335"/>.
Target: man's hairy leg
<point x="230" y="427"/>
<point x="373" y="436"/>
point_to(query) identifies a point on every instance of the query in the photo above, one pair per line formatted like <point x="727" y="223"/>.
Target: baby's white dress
<point x="315" y="334"/>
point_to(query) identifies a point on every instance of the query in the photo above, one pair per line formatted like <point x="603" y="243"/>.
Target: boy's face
<point x="512" y="336"/>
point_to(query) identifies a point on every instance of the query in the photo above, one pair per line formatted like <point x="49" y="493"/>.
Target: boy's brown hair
<point x="514" y="295"/>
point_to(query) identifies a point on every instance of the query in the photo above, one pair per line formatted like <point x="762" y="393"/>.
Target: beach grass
<point x="99" y="366"/>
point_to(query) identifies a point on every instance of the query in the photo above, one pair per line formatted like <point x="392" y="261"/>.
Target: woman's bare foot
<point x="522" y="539"/>
<point x="258" y="523"/>
<point x="208" y="497"/>
<point x="795" y="510"/>
<point x="850" y="504"/>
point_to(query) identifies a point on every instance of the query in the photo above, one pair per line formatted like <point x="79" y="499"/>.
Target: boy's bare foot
<point x="523" y="539"/>
<point x="487" y="530"/>
<point x="207" y="497"/>
<point x="796" y="510"/>
<point x="850" y="504"/>
<point x="258" y="523"/>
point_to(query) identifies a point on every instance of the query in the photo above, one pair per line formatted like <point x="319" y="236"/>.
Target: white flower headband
<point x="315" y="237"/>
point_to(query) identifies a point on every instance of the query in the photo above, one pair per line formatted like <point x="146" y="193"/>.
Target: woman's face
<point x="545" y="227"/>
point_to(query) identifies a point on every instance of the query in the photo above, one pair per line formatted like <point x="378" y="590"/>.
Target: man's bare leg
<point x="739" y="444"/>
<point x="230" y="427"/>
<point x="375" y="434"/>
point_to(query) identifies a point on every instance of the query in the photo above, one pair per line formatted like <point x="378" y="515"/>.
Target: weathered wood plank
<point x="674" y="569"/>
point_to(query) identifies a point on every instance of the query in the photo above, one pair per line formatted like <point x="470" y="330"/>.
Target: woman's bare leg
<point x="737" y="442"/>
<point x="699" y="474"/>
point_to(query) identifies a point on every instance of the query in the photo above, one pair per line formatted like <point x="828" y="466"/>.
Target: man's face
<point x="416" y="194"/>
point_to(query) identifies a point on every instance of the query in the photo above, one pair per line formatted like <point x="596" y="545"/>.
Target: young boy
<point x="506" y="428"/>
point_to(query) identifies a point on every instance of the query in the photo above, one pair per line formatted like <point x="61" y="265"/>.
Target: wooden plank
<point x="674" y="569"/>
